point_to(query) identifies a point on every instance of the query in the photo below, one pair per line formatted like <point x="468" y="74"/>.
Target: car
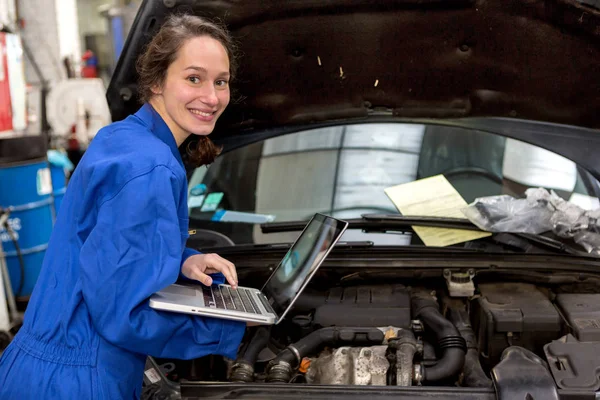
<point x="337" y="101"/>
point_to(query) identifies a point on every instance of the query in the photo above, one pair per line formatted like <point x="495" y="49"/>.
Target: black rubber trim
<point x="191" y="390"/>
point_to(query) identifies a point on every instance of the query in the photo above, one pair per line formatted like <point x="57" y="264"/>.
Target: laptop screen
<point x="302" y="260"/>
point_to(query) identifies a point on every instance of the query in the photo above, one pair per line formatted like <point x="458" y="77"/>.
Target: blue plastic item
<point x="26" y="190"/>
<point x="59" y="163"/>
<point x="59" y="159"/>
<point x="198" y="190"/>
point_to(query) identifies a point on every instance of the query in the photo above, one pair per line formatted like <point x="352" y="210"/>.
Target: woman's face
<point x="196" y="88"/>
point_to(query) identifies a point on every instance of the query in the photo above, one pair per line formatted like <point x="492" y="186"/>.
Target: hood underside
<point x="315" y="61"/>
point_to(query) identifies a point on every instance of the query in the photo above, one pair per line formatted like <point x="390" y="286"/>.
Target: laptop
<point x="270" y="304"/>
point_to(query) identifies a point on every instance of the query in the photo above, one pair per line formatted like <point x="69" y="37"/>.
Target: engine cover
<point x="350" y="366"/>
<point x="516" y="314"/>
<point x="365" y="306"/>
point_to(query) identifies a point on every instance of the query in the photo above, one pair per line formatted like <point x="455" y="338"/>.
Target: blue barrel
<point x="26" y="190"/>
<point x="59" y="185"/>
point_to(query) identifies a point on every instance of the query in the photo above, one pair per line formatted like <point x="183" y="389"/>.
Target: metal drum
<point x="26" y="190"/>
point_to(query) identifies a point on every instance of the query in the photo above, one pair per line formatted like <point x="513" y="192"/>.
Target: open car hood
<point x="462" y="62"/>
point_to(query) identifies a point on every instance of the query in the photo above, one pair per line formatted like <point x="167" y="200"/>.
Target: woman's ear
<point x="156" y="90"/>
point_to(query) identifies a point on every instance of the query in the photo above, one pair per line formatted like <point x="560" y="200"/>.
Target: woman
<point x="121" y="236"/>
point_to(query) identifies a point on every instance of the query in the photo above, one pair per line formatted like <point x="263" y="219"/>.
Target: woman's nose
<point x="209" y="96"/>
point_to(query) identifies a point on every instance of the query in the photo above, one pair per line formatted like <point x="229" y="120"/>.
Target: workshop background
<point x="56" y="59"/>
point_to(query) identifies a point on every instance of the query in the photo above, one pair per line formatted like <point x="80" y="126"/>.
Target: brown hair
<point x="162" y="51"/>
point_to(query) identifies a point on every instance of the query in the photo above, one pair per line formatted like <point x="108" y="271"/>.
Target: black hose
<point x="21" y="261"/>
<point x="281" y="367"/>
<point x="15" y="242"/>
<point x="474" y="376"/>
<point x="258" y="342"/>
<point x="243" y="369"/>
<point x="453" y="345"/>
<point x="473" y="373"/>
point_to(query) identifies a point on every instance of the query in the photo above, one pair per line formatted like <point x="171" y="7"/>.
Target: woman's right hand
<point x="199" y="266"/>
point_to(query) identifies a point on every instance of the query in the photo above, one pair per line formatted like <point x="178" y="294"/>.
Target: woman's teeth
<point x="204" y="114"/>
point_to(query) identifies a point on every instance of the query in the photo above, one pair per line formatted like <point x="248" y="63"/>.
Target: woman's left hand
<point x="199" y="266"/>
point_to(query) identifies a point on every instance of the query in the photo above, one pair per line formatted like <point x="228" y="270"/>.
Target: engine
<point x="351" y="366"/>
<point x="389" y="364"/>
<point x="396" y="335"/>
<point x="388" y="361"/>
<point x="367" y="335"/>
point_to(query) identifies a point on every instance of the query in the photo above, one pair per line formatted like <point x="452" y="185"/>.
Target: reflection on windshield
<point x="342" y="171"/>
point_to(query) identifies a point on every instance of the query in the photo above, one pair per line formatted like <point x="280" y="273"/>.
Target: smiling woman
<point x="121" y="237"/>
<point x="191" y="90"/>
<point x="191" y="97"/>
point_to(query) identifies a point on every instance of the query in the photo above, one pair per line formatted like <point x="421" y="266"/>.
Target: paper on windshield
<point x="433" y="197"/>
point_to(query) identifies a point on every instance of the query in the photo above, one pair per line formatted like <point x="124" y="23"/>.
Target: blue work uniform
<point x="119" y="237"/>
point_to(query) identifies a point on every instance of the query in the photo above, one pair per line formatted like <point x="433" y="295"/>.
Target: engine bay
<point x="407" y="334"/>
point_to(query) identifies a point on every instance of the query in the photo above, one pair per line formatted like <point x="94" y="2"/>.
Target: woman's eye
<point x="194" y="79"/>
<point x="222" y="83"/>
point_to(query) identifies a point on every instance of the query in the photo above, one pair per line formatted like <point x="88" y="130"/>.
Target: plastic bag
<point x="570" y="221"/>
<point x="590" y="241"/>
<point x="507" y="214"/>
<point x="541" y="211"/>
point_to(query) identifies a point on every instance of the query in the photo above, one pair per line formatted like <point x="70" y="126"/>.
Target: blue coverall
<point x="120" y="236"/>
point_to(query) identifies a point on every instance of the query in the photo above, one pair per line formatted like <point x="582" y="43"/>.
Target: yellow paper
<point x="433" y="197"/>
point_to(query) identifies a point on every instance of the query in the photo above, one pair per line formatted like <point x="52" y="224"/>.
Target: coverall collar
<point x="152" y="119"/>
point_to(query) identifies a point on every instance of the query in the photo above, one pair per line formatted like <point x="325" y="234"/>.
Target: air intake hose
<point x="243" y="369"/>
<point x="280" y="369"/>
<point x="449" y="340"/>
<point x="474" y="376"/>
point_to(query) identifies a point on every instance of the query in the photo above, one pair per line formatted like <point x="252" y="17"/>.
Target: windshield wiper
<point x="399" y="223"/>
<point x="380" y="223"/>
<point x="463" y="223"/>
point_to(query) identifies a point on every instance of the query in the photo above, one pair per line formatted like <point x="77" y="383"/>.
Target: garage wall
<point x="90" y="21"/>
<point x="40" y="34"/>
<point x="68" y="30"/>
<point x="51" y="32"/>
<point x="8" y="13"/>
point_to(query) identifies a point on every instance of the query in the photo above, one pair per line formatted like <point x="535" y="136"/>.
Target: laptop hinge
<point x="265" y="303"/>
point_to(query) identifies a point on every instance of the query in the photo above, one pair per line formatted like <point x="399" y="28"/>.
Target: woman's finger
<point x="201" y="276"/>
<point x="216" y="263"/>
<point x="232" y="269"/>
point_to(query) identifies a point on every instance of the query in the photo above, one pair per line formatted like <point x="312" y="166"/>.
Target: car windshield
<point x="342" y="171"/>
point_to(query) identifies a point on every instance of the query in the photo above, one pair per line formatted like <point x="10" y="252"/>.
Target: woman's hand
<point x="199" y="266"/>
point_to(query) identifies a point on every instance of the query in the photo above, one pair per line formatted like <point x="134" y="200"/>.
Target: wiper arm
<point x="464" y="223"/>
<point x="401" y="223"/>
<point x="435" y="222"/>
<point x="380" y="223"/>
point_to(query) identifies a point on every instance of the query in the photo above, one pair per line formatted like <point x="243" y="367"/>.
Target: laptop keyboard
<point x="226" y="298"/>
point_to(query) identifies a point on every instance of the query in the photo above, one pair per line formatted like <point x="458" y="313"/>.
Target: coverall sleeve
<point x="134" y="250"/>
